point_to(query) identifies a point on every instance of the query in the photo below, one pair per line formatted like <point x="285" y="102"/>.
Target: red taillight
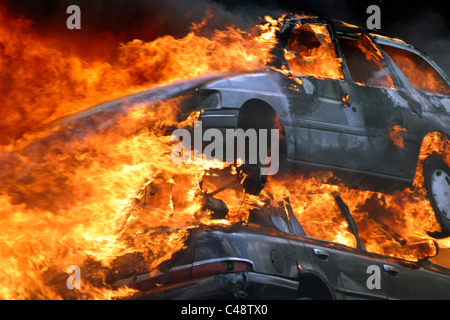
<point x="218" y="267"/>
<point x="179" y="274"/>
<point x="188" y="272"/>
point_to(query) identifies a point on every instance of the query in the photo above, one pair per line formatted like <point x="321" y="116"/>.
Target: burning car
<point x="76" y="180"/>
<point x="270" y="256"/>
<point x="346" y="99"/>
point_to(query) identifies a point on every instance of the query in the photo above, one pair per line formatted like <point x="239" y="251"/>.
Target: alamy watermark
<point x="249" y="147"/>
<point x="74" y="20"/>
<point x="374" y="280"/>
<point x="74" y="280"/>
<point x="374" y="20"/>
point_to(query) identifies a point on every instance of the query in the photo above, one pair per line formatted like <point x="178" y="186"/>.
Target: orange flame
<point x="110" y="198"/>
<point x="397" y="135"/>
<point x="68" y="192"/>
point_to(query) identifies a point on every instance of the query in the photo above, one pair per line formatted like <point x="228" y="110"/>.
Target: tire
<point x="437" y="184"/>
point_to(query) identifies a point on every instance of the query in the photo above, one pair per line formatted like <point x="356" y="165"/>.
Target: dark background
<point x="425" y="24"/>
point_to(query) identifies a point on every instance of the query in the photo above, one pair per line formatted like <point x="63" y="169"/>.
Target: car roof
<point x="345" y="27"/>
<point x="336" y="24"/>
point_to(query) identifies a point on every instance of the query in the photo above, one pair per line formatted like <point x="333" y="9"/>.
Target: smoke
<point x="430" y="33"/>
<point x="124" y="21"/>
<point x="49" y="71"/>
<point x="105" y="23"/>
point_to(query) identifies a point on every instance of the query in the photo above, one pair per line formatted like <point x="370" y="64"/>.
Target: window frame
<point x="379" y="41"/>
<point x="333" y="44"/>
<point x="387" y="65"/>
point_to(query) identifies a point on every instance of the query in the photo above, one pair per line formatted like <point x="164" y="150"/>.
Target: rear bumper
<point x="243" y="285"/>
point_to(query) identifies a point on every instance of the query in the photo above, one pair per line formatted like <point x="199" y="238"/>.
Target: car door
<point x="424" y="80"/>
<point x="346" y="269"/>
<point x="327" y="131"/>
<point x="412" y="281"/>
<point x="392" y="118"/>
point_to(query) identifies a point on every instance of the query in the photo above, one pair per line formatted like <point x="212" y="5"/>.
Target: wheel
<point x="437" y="183"/>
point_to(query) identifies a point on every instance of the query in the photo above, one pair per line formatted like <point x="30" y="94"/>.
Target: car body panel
<point x="248" y="285"/>
<point x="344" y="268"/>
<point x="410" y="280"/>
<point x="270" y="254"/>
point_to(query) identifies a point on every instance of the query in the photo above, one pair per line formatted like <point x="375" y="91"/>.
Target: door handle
<point x="322" y="254"/>
<point x="390" y="269"/>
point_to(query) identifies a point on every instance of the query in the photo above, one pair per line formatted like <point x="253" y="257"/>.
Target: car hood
<point x="149" y="96"/>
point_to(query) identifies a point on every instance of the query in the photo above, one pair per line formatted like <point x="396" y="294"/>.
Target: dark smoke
<point x="132" y="19"/>
<point x="430" y="33"/>
<point x="424" y="24"/>
<point x="107" y="24"/>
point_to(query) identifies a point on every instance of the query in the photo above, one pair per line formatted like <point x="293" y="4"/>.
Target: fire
<point x="69" y="192"/>
<point x="397" y="135"/>
<point x="391" y="224"/>
<point x="310" y="52"/>
<point x="105" y="195"/>
<point x="418" y="71"/>
<point x="54" y="81"/>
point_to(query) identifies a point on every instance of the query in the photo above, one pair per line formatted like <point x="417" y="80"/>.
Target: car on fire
<point x="345" y="99"/>
<point x="348" y="100"/>
<point x="270" y="256"/>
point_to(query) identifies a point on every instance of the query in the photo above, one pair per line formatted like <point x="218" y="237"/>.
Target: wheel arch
<point x="435" y="146"/>
<point x="314" y="287"/>
<point x="428" y="146"/>
<point x="256" y="110"/>
<point x="255" y="103"/>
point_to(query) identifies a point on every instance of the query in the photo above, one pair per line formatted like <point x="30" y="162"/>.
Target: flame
<point x="69" y="192"/>
<point x="54" y="81"/>
<point x="418" y="71"/>
<point x="373" y="55"/>
<point x="434" y="143"/>
<point x="106" y="196"/>
<point x="310" y="52"/>
<point x="397" y="135"/>
<point x="392" y="225"/>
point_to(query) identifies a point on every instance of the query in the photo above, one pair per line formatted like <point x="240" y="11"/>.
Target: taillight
<point x="196" y="270"/>
<point x="205" y="269"/>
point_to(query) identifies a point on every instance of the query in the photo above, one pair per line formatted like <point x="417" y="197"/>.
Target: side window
<point x="421" y="74"/>
<point x="321" y="218"/>
<point x="311" y="52"/>
<point x="364" y="61"/>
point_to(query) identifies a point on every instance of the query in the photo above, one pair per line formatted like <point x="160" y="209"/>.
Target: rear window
<point x="421" y="74"/>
